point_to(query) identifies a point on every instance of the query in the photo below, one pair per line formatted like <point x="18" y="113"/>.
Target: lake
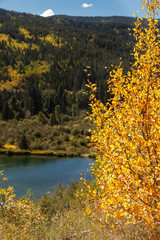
<point x="41" y="174"/>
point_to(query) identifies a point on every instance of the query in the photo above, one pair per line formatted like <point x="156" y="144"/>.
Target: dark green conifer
<point x="24" y="144"/>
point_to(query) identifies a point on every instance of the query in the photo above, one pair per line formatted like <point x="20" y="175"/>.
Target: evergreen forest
<point x="42" y="62"/>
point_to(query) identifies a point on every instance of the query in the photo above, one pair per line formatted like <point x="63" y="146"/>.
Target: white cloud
<point x="47" y="13"/>
<point x="86" y="5"/>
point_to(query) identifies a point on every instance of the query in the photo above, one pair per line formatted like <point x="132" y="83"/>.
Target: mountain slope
<point x="42" y="60"/>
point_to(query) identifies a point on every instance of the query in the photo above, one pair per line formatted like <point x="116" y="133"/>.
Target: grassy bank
<point x="44" y="153"/>
<point x="31" y="137"/>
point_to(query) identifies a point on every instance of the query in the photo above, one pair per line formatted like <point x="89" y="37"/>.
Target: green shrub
<point x="37" y="146"/>
<point x="74" y="143"/>
<point x="83" y="142"/>
<point x="67" y="130"/>
<point x="55" y="133"/>
<point x="76" y="131"/>
<point x="58" y="147"/>
<point x="37" y="134"/>
<point x="59" y="141"/>
<point x="65" y="118"/>
<point x="66" y="138"/>
<point x="42" y="118"/>
<point x="63" y="198"/>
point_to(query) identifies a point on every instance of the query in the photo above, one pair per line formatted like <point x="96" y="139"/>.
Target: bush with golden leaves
<point x="19" y="219"/>
<point x="127" y="134"/>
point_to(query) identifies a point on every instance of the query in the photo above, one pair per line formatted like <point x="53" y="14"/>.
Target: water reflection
<point x="25" y="161"/>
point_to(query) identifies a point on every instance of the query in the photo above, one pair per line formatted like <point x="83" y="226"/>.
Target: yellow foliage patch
<point x="15" y="82"/>
<point x="26" y="33"/>
<point x="10" y="146"/>
<point x="14" y="44"/>
<point x="53" y="39"/>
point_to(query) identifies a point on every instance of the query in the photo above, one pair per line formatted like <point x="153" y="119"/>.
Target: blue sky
<point x="75" y="7"/>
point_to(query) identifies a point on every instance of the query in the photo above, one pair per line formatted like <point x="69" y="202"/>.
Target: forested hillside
<point x="42" y="62"/>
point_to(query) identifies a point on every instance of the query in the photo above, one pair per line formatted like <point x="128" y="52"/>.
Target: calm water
<point x="41" y="174"/>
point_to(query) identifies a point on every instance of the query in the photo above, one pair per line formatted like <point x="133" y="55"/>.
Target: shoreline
<point x="62" y="154"/>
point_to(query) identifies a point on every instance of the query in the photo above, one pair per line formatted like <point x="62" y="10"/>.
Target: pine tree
<point x="24" y="144"/>
<point x="6" y="112"/>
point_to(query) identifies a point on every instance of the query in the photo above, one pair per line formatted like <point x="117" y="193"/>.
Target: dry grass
<point x="70" y="220"/>
<point x="74" y="224"/>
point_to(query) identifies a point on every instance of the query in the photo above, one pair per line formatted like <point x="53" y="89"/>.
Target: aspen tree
<point x="126" y="136"/>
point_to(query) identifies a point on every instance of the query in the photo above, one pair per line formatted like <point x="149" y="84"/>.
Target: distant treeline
<point x="42" y="62"/>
